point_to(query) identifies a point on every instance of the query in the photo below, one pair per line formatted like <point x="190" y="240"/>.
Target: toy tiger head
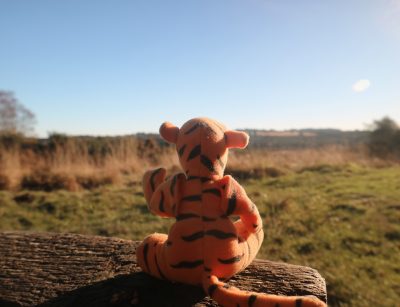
<point x="202" y="145"/>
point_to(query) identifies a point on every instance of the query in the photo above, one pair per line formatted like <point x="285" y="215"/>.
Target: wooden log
<point x="50" y="269"/>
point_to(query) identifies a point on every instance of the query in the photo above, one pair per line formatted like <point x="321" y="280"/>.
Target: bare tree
<point x="15" y="117"/>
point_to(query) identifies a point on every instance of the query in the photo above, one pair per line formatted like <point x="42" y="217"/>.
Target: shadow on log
<point x="48" y="269"/>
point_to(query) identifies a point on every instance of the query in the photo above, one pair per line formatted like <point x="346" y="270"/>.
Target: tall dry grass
<point x="297" y="159"/>
<point x="275" y="162"/>
<point x="75" y="163"/>
<point x="78" y="163"/>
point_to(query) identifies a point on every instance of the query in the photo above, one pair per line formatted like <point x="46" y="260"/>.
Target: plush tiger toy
<point x="204" y="247"/>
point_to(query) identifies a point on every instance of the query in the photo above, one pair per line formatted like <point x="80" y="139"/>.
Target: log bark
<point x="50" y="269"/>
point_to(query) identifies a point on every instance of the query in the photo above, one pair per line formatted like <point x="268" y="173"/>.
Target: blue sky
<point x="116" y="67"/>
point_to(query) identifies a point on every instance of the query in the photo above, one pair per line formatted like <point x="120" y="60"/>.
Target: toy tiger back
<point x="204" y="247"/>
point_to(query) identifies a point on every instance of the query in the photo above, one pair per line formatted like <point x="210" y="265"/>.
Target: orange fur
<point x="204" y="246"/>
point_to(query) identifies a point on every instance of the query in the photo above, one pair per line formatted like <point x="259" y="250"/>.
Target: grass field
<point x="342" y="220"/>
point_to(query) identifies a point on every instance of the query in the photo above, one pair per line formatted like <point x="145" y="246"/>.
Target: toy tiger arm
<point x="151" y="180"/>
<point x="161" y="194"/>
<point x="238" y="203"/>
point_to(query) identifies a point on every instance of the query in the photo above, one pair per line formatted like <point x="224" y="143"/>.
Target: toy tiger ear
<point x="236" y="139"/>
<point x="169" y="132"/>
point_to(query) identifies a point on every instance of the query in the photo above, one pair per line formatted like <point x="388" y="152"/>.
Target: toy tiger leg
<point x="228" y="296"/>
<point x="150" y="255"/>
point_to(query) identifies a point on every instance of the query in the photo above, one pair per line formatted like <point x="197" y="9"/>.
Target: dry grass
<point x="74" y="163"/>
<point x="274" y="162"/>
<point x="77" y="163"/>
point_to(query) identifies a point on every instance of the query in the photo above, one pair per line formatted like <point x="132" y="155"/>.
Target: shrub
<point x="4" y="182"/>
<point x="11" y="140"/>
<point x="46" y="181"/>
<point x="93" y="181"/>
<point x="384" y="139"/>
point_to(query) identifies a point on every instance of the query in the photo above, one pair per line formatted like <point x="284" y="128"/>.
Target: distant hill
<point x="305" y="138"/>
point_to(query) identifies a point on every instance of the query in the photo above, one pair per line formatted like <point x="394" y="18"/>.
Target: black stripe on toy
<point x="208" y="219"/>
<point x="216" y="192"/>
<point x="152" y="178"/>
<point x="158" y="268"/>
<point x="299" y="302"/>
<point x="161" y="204"/>
<point x="191" y="198"/>
<point x="193" y="128"/>
<point x="145" y="252"/>
<point x="181" y="150"/>
<point x="231" y="260"/>
<point x="211" y="129"/>
<point x="187" y="264"/>
<point x="185" y="216"/>
<point x="231" y="204"/>
<point x="196" y="151"/>
<point x="193" y="237"/>
<point x="211" y="289"/>
<point x="220" y="234"/>
<point x="252" y="299"/>
<point x="206" y="269"/>
<point x="172" y="186"/>
<point x="207" y="163"/>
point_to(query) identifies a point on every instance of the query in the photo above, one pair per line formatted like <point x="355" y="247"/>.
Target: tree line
<point x="17" y="120"/>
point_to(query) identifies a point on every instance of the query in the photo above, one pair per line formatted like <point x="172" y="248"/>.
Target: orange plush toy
<point x="204" y="247"/>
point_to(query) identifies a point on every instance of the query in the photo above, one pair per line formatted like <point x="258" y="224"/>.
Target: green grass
<point x="120" y="212"/>
<point x="343" y="221"/>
